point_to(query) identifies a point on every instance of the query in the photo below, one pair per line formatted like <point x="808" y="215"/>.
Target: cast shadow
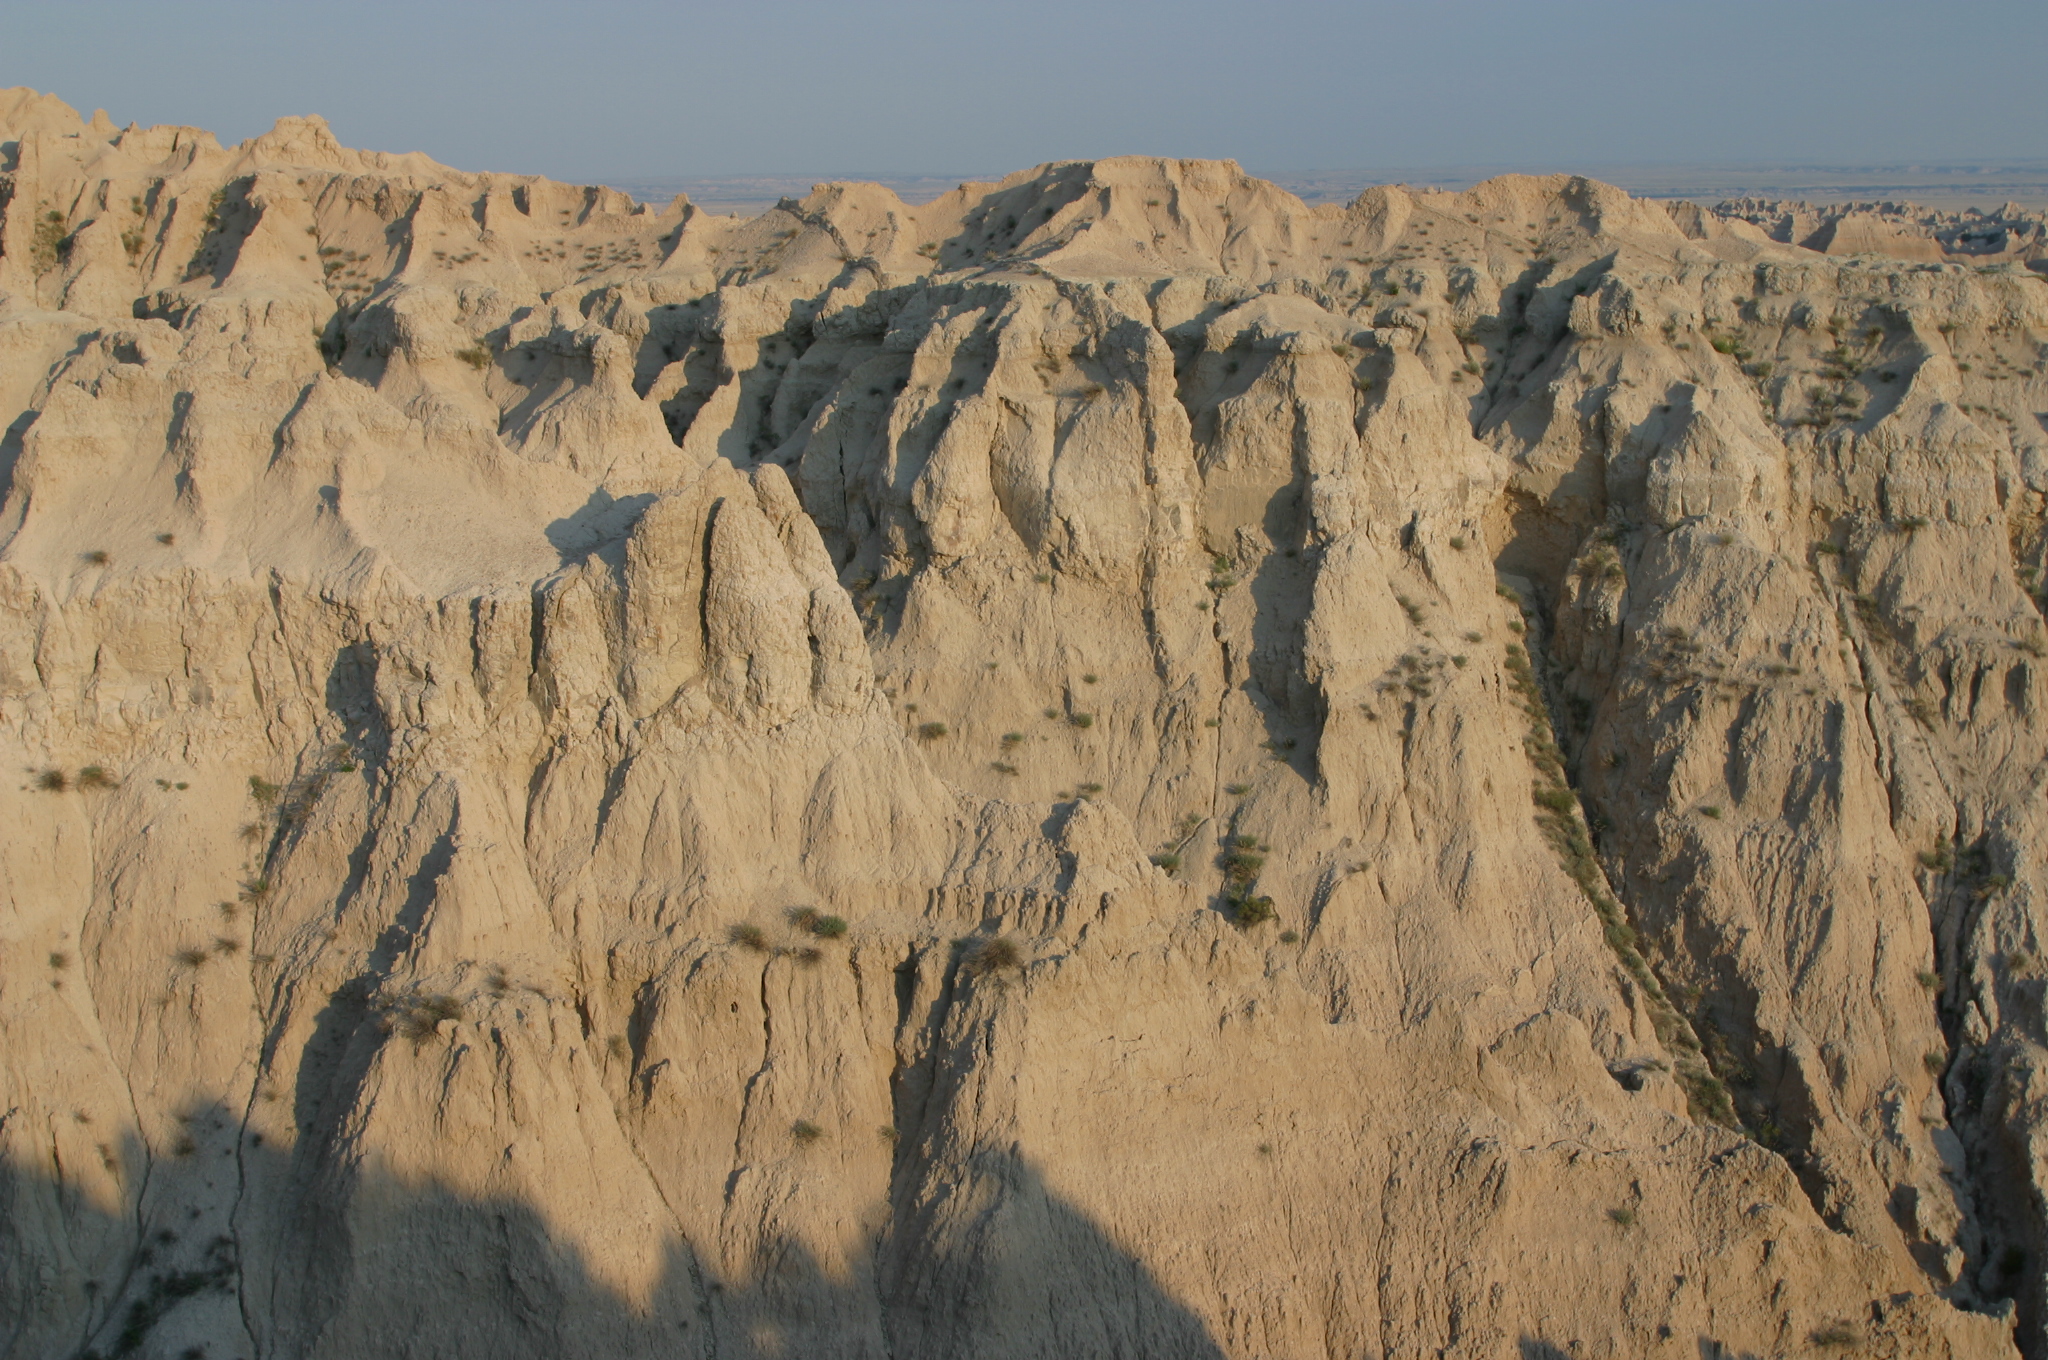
<point x="229" y="1248"/>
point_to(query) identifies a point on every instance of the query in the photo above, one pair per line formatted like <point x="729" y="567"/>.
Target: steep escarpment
<point x="1109" y="764"/>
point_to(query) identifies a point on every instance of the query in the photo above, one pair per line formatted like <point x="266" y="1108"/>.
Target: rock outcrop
<point x="1112" y="764"/>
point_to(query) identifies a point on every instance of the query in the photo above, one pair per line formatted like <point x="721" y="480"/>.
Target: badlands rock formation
<point x="1110" y="765"/>
<point x="1904" y="230"/>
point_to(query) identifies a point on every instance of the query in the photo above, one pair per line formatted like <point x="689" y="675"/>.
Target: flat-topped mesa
<point x="583" y="764"/>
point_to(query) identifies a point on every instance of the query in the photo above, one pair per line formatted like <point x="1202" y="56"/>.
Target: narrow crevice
<point x="753" y="1083"/>
<point x="1562" y="818"/>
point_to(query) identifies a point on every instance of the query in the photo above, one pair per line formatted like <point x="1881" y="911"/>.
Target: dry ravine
<point x="1110" y="765"/>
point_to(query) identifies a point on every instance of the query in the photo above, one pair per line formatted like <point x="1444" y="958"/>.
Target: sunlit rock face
<point x="1112" y="764"/>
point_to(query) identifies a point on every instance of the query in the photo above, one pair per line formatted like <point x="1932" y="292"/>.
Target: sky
<point x="614" y="89"/>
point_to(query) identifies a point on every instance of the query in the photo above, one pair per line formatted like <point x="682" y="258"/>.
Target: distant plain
<point x="1984" y="185"/>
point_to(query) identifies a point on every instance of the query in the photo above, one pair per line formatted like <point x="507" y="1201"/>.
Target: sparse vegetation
<point x="1837" y="1335"/>
<point x="95" y="777"/>
<point x="804" y="1131"/>
<point x="1252" y="911"/>
<point x="931" y="731"/>
<point x="999" y="955"/>
<point x="1558" y="816"/>
<point x="1622" y="1218"/>
<point x="1082" y="719"/>
<point x="748" y="936"/>
<point x="52" y="781"/>
<point x="418" y="1016"/>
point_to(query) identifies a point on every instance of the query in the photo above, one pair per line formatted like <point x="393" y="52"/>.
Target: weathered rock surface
<point x="1109" y="765"/>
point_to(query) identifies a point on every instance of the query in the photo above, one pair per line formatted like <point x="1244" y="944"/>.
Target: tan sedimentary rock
<point x="1111" y="764"/>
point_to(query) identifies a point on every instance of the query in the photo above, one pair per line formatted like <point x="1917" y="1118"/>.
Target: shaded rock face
<point x="1109" y="765"/>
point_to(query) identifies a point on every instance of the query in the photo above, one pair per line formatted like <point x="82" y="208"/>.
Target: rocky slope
<point x="1109" y="765"/>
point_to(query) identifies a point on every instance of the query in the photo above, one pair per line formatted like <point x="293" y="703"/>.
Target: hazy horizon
<point x="794" y="88"/>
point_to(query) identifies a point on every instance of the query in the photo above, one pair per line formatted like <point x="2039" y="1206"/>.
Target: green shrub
<point x="1622" y="1218"/>
<point x="931" y="731"/>
<point x="804" y="1131"/>
<point x="53" y="781"/>
<point x="1167" y="860"/>
<point x="1711" y="811"/>
<point x="190" y="958"/>
<point x="1929" y="980"/>
<point x="1237" y="790"/>
<point x="95" y="777"/>
<point x="749" y="936"/>
<point x="262" y="790"/>
<point x="1290" y="937"/>
<point x="829" y="927"/>
<point x="1082" y="719"/>
<point x="1252" y="911"/>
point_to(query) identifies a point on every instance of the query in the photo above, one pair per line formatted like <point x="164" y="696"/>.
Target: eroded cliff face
<point x="1112" y="764"/>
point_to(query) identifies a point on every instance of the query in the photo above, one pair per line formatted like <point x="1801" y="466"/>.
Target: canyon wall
<point x="1112" y="764"/>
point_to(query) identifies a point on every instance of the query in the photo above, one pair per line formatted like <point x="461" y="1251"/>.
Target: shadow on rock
<point x="202" y="1256"/>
